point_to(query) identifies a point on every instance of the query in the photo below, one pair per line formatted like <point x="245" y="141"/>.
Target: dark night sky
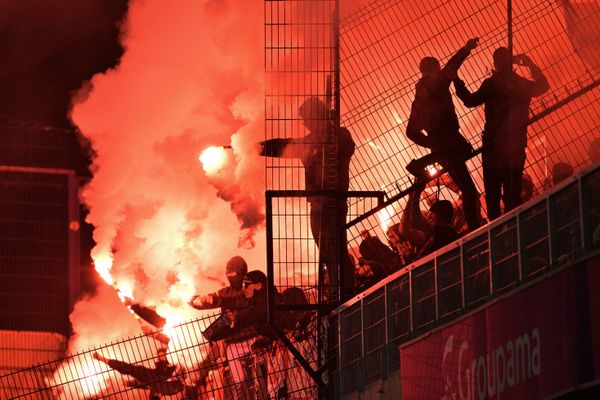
<point x="49" y="48"/>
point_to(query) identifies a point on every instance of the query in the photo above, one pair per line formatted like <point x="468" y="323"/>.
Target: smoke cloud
<point x="190" y="77"/>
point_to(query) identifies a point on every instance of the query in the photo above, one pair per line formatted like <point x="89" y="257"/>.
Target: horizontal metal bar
<point x="324" y="193"/>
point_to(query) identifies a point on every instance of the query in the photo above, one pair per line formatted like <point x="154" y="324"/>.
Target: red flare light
<point x="213" y="159"/>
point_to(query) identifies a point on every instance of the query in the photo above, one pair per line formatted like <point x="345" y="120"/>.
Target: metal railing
<point x="554" y="230"/>
<point x="192" y="367"/>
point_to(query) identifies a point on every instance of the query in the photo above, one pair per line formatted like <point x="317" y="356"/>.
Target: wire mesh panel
<point x="38" y="249"/>
<point x="398" y="315"/>
<point x="382" y="43"/>
<point x="423" y="292"/>
<point x="505" y="255"/>
<point x="449" y="283"/>
<point x="185" y="365"/>
<point x="351" y="357"/>
<point x="476" y="263"/>
<point x="304" y="146"/>
<point x="565" y="223"/>
<point x="590" y="187"/>
<point x="535" y="239"/>
<point x="374" y="334"/>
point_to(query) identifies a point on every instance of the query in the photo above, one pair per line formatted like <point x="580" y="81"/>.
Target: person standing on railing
<point x="325" y="154"/>
<point x="433" y="124"/>
<point x="506" y="96"/>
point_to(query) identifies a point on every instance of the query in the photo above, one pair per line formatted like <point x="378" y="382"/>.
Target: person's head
<point x="394" y="236"/>
<point x="429" y="198"/>
<point x="294" y="295"/>
<point x="363" y="269"/>
<point x="315" y="114"/>
<point x="527" y="188"/>
<point x="295" y="319"/>
<point x="561" y="171"/>
<point x="365" y="234"/>
<point x="429" y="66"/>
<point x="235" y="269"/>
<point x="441" y="213"/>
<point x="254" y="282"/>
<point x="502" y="61"/>
<point x="594" y="150"/>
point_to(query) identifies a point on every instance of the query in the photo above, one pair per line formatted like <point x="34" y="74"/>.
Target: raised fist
<point x="472" y="43"/>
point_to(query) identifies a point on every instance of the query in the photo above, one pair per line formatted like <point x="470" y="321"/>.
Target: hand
<point x="522" y="59"/>
<point x="260" y="148"/>
<point x="99" y="357"/>
<point x="231" y="315"/>
<point x="472" y="43"/>
<point x="202" y="300"/>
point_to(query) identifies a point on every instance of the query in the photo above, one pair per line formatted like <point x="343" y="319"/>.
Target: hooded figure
<point x="235" y="269"/>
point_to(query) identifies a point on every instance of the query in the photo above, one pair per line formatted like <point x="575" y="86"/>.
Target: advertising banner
<point x="530" y="345"/>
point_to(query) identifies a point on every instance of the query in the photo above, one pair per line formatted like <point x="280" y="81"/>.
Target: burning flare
<point x="213" y="159"/>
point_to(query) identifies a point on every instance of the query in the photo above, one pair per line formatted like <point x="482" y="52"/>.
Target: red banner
<point x="532" y="344"/>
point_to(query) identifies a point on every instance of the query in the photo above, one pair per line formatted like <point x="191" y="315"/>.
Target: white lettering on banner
<point x="487" y="375"/>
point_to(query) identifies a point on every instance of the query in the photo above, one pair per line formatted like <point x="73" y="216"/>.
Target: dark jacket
<point x="442" y="235"/>
<point x="218" y="297"/>
<point x="250" y="313"/>
<point x="433" y="111"/>
<point x="506" y="98"/>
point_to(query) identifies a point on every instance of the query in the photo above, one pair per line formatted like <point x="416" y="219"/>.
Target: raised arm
<point x="286" y="148"/>
<point x="454" y="63"/>
<point x="412" y="224"/>
<point x="539" y="85"/>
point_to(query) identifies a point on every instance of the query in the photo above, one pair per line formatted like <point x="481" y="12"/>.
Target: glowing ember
<point x="84" y="377"/>
<point x="213" y="159"/>
<point x="384" y="219"/>
<point x="432" y="170"/>
<point x="124" y="290"/>
<point x="92" y="381"/>
<point x="169" y="328"/>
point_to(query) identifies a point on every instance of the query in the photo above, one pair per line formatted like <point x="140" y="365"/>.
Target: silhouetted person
<point x="248" y="311"/>
<point x="325" y="154"/>
<point x="159" y="379"/>
<point x="235" y="270"/>
<point x="373" y="249"/>
<point x="433" y="124"/>
<point x="506" y="96"/>
<point x="594" y="150"/>
<point x="404" y="248"/>
<point x="527" y="188"/>
<point x="431" y="233"/>
<point x="561" y="171"/>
